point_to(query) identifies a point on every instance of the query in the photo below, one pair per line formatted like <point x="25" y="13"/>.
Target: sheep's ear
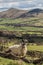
<point x="25" y="40"/>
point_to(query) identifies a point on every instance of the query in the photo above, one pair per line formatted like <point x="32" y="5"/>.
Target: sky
<point x="20" y="4"/>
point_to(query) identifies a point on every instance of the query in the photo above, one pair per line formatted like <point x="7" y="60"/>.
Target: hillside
<point x="12" y="13"/>
<point x="33" y="13"/>
<point x="16" y="13"/>
<point x="25" y="20"/>
<point x="21" y="27"/>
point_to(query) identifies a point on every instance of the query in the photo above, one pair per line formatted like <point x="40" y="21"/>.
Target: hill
<point x="33" y="13"/>
<point x="16" y="13"/>
<point x="12" y="13"/>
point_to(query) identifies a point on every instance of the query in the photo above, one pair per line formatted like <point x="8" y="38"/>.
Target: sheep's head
<point x="24" y="42"/>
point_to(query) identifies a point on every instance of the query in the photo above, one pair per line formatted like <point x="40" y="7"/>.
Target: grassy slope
<point x="30" y="21"/>
<point x="35" y="21"/>
<point x="35" y="48"/>
<point x="5" y="61"/>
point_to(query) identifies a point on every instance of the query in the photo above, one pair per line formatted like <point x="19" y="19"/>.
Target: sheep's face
<point x="24" y="44"/>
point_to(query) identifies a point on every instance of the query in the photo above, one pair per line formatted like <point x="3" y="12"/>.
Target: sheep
<point x="18" y="50"/>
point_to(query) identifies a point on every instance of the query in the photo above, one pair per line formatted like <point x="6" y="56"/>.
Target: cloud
<point x="9" y="5"/>
<point x="14" y="0"/>
<point x="21" y="4"/>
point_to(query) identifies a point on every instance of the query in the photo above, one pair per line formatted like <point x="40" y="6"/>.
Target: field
<point x="35" y="48"/>
<point x="31" y="26"/>
<point x="5" y="61"/>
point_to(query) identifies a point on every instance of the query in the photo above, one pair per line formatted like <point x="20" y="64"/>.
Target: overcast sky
<point x="20" y="4"/>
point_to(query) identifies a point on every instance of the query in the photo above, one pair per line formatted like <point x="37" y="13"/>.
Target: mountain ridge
<point x="12" y="13"/>
<point x="33" y="13"/>
<point x="16" y="13"/>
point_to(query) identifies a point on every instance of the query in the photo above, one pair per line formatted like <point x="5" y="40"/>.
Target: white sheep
<point x="19" y="50"/>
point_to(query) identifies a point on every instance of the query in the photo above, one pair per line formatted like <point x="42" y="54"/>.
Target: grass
<point x="5" y="61"/>
<point x="31" y="21"/>
<point x="35" y="48"/>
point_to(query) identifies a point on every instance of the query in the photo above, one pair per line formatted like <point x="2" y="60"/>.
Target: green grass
<point x="5" y="61"/>
<point x="35" y="21"/>
<point x="35" y="48"/>
<point x="22" y="20"/>
<point x="31" y="21"/>
<point x="12" y="28"/>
